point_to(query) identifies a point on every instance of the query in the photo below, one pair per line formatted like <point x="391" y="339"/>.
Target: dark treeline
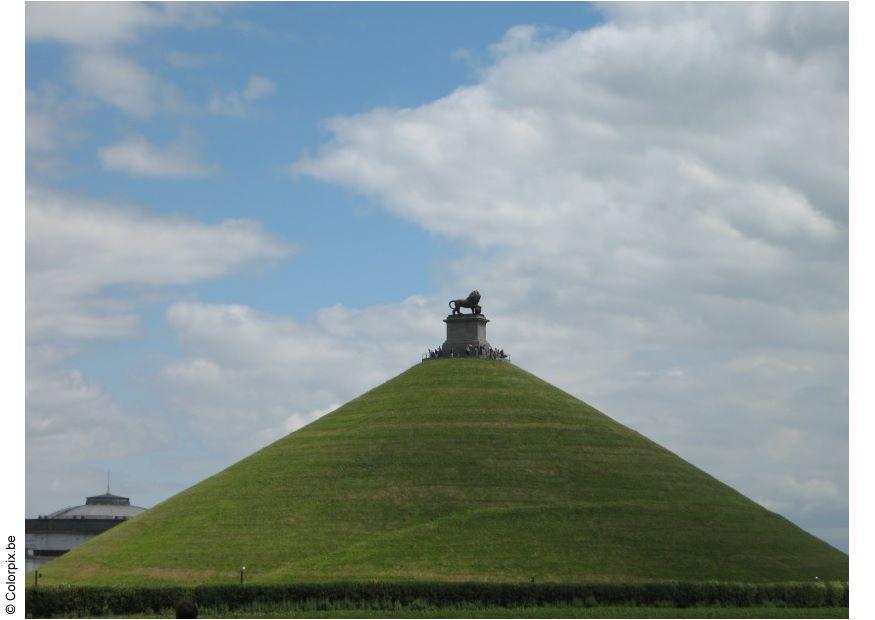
<point x="53" y="601"/>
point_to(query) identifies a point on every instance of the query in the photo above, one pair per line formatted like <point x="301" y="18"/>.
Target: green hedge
<point x="49" y="601"/>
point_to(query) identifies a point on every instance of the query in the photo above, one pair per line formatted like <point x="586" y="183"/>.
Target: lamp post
<point x="36" y="576"/>
<point x="242" y="569"/>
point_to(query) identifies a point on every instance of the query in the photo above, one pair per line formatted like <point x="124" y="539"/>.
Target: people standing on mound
<point x="481" y="351"/>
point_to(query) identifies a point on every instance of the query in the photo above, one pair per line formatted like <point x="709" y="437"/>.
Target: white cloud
<point x="137" y="156"/>
<point x="655" y="210"/>
<point x="49" y="129"/>
<point x="88" y="24"/>
<point x="118" y="81"/>
<point x="236" y="103"/>
<point x="68" y="413"/>
<point x="77" y="249"/>
<point x="258" y="87"/>
<point x="106" y="24"/>
<point x="516" y="39"/>
<point x="96" y="32"/>
<point x="43" y="122"/>
<point x="248" y="370"/>
<point x="662" y="197"/>
<point x="101" y="67"/>
<point x="91" y="267"/>
<point x="73" y="427"/>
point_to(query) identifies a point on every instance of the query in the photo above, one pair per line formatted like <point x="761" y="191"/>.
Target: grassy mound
<point x="456" y="470"/>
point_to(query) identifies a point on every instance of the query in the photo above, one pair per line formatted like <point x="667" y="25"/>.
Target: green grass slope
<point x="456" y="470"/>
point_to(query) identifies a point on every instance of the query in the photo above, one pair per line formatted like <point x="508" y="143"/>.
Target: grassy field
<point x="456" y="470"/>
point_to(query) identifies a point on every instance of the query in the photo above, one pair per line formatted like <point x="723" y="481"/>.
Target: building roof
<point x="104" y="506"/>
<point x="108" y="499"/>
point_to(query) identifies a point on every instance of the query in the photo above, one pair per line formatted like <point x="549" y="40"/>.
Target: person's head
<point x="186" y="609"/>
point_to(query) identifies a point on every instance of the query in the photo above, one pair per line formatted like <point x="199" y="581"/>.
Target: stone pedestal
<point x="465" y="330"/>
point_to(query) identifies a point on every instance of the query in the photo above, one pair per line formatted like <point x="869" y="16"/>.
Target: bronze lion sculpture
<point x="470" y="302"/>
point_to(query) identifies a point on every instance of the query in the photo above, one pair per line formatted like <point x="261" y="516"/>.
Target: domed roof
<point x="104" y="506"/>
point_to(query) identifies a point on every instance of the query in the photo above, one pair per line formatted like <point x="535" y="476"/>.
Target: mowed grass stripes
<point x="456" y="470"/>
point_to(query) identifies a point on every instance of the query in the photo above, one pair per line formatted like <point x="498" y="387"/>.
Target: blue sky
<point x="324" y="60"/>
<point x="226" y="202"/>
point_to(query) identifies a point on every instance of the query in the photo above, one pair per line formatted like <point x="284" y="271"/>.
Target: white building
<point x="49" y="536"/>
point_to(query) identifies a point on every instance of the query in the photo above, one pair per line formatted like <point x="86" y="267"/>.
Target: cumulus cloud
<point x="236" y="103"/>
<point x="73" y="427"/>
<point x="91" y="267"/>
<point x="77" y="249"/>
<point x="97" y="32"/>
<point x="43" y="120"/>
<point x="99" y="37"/>
<point x="247" y="370"/>
<point x="68" y="412"/>
<point x="48" y="129"/>
<point x="137" y="156"/>
<point x="100" y="25"/>
<point x="657" y="210"/>
<point x="120" y="82"/>
<point x="89" y="24"/>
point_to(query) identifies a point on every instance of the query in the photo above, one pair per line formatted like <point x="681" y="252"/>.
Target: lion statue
<point x="470" y="302"/>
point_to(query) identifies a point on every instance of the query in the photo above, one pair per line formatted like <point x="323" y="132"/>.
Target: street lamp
<point x="242" y="569"/>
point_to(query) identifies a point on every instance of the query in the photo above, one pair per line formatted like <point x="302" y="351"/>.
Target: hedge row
<point x="49" y="601"/>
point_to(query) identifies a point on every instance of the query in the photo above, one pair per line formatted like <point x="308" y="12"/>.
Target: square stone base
<point x="465" y="331"/>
